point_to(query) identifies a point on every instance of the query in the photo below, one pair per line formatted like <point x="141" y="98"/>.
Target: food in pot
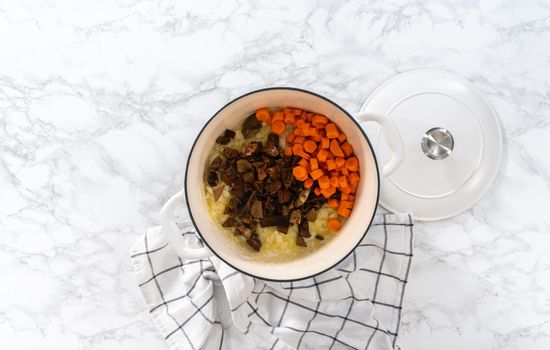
<point x="283" y="182"/>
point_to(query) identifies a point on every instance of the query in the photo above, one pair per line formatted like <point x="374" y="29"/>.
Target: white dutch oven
<point x="351" y="233"/>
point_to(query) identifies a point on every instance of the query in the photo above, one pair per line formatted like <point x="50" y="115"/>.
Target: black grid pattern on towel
<point x="314" y="315"/>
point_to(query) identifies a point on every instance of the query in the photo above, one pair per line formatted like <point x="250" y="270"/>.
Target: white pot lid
<point x="452" y="139"/>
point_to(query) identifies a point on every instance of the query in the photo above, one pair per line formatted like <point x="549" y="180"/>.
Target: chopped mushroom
<point x="302" y="197"/>
<point x="250" y="125"/>
<point x="256" y="209"/>
<point x="274" y="220"/>
<point x="212" y="178"/>
<point x="304" y="229"/>
<point x="300" y="241"/>
<point x="295" y="217"/>
<point x="243" y="165"/>
<point x="218" y="192"/>
<point x="230" y="222"/>
<point x="254" y="241"/>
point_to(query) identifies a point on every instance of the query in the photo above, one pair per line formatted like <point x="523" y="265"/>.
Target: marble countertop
<point x="100" y="102"/>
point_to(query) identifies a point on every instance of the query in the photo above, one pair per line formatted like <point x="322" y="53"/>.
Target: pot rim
<point x="298" y="90"/>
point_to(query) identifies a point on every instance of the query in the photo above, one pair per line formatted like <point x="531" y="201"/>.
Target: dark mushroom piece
<point x="250" y="125"/>
<point x="256" y="209"/>
<point x="284" y="196"/>
<point x="262" y="174"/>
<point x="216" y="163"/>
<point x="230" y="222"/>
<point x="212" y="178"/>
<point x="311" y="215"/>
<point x="252" y="149"/>
<point x="273" y="186"/>
<point x="218" y="192"/>
<point x="249" y="177"/>
<point x="273" y="172"/>
<point x="295" y="217"/>
<point x="303" y="229"/>
<point x="259" y="186"/>
<point x="248" y="203"/>
<point x="254" y="241"/>
<point x="243" y="230"/>
<point x="243" y="165"/>
<point x="282" y="229"/>
<point x="302" y="197"/>
<point x="300" y="241"/>
<point x="319" y="237"/>
<point x="230" y="153"/>
<point x="274" y="220"/>
<point x="226" y="137"/>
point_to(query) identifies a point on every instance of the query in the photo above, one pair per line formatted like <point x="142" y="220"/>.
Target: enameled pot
<point x="351" y="233"/>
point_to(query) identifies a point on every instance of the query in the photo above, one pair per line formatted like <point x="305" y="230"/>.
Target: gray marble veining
<point x="100" y="102"/>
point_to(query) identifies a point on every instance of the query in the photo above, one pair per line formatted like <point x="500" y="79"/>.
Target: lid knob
<point x="437" y="143"/>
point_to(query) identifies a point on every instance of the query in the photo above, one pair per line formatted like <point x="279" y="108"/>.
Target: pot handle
<point x="392" y="135"/>
<point x="173" y="233"/>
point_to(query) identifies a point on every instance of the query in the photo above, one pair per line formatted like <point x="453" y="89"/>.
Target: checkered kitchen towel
<point x="205" y="304"/>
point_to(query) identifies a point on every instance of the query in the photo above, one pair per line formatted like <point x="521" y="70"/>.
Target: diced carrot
<point x="352" y="164"/>
<point x="310" y="146"/>
<point x="319" y="119"/>
<point x="346" y="204"/>
<point x="354" y="178"/>
<point x="315" y="134"/>
<point x="332" y="131"/>
<point x="342" y="137"/>
<point x="290" y="118"/>
<point x="325" y="142"/>
<point x="317" y="191"/>
<point x="313" y="164"/>
<point x="278" y="127"/>
<point x="329" y="191"/>
<point x="335" y="149"/>
<point x="308" y="183"/>
<point x="323" y="181"/>
<point x="340" y="162"/>
<point x="297" y="111"/>
<point x="299" y="123"/>
<point x="342" y="181"/>
<point x="351" y="198"/>
<point x="344" y="196"/>
<point x="306" y="129"/>
<point x="334" y="173"/>
<point x="344" y="171"/>
<point x="333" y="203"/>
<point x="346" y="147"/>
<point x="322" y="155"/>
<point x="330" y="164"/>
<point x="263" y="115"/>
<point x="299" y="139"/>
<point x="303" y="162"/>
<point x="333" y="224"/>
<point x="316" y="174"/>
<point x="288" y="151"/>
<point x="300" y="173"/>
<point x="334" y="181"/>
<point x="309" y="116"/>
<point x="304" y="155"/>
<point x="343" y="211"/>
<point x="348" y="189"/>
<point x="290" y="138"/>
<point x="278" y="117"/>
<point x="297" y="149"/>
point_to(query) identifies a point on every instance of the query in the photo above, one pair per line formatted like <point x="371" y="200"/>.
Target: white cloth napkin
<point x="206" y="304"/>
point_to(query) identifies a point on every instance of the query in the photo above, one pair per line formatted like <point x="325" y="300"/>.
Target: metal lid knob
<point x="437" y="143"/>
